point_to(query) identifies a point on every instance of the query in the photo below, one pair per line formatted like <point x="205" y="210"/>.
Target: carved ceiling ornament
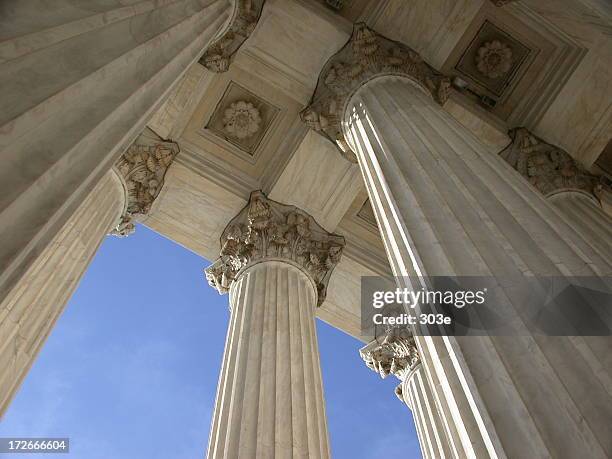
<point x="397" y="354"/>
<point x="266" y="229"/>
<point x="241" y="120"/>
<point x="366" y="55"/>
<point x="494" y="59"/>
<point x="218" y="56"/>
<point x="547" y="167"/>
<point x="142" y="167"/>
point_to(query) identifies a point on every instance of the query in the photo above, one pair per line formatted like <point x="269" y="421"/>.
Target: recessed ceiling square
<point x="492" y="58"/>
<point x="242" y="118"/>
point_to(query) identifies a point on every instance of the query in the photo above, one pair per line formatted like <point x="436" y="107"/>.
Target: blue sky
<point x="130" y="370"/>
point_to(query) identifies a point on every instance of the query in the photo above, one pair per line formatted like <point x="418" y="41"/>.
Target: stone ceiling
<point x="240" y="131"/>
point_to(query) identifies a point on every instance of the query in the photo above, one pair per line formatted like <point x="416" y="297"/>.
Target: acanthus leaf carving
<point x="547" y="167"/>
<point x="218" y="56"/>
<point x="142" y="168"/>
<point x="366" y="55"/>
<point x="266" y="229"/>
<point x="396" y="354"/>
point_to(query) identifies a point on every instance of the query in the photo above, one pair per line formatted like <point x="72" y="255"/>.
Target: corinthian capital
<point x="366" y="55"/>
<point x="218" y="56"/>
<point x="397" y="354"/>
<point x="549" y="168"/>
<point x="142" y="169"/>
<point x="266" y="229"/>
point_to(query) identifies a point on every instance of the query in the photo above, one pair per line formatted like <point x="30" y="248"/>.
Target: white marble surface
<point x="29" y="312"/>
<point x="295" y="39"/>
<point x="430" y="27"/>
<point x="416" y="393"/>
<point x="72" y="100"/>
<point x="318" y="180"/>
<point x="588" y="218"/>
<point x="580" y="118"/>
<point x="171" y="118"/>
<point x="270" y="399"/>
<point x="446" y="206"/>
<point x="193" y="211"/>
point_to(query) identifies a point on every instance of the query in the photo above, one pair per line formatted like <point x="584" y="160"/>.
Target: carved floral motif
<point x="218" y="56"/>
<point x="266" y="229"/>
<point x="494" y="59"/>
<point x="241" y="120"/>
<point x="547" y="167"/>
<point x="397" y="354"/>
<point x="366" y="55"/>
<point x="143" y="168"/>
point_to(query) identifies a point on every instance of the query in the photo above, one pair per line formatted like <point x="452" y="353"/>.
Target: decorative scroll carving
<point x="219" y="54"/>
<point x="266" y="229"/>
<point x="547" y="167"/>
<point x="142" y="167"/>
<point x="397" y="354"/>
<point x="366" y="54"/>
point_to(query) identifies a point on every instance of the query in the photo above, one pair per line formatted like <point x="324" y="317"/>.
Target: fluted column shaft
<point x="30" y="310"/>
<point x="397" y="354"/>
<point x="587" y="217"/>
<point x="416" y="393"/>
<point x="445" y="206"/>
<point x="270" y="396"/>
<point x="78" y="81"/>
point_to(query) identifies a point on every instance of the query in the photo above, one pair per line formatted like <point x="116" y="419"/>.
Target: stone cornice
<point x="142" y="168"/>
<point x="218" y="56"/>
<point x="366" y="55"/>
<point x="397" y="354"/>
<point x="547" y="167"/>
<point x="266" y="229"/>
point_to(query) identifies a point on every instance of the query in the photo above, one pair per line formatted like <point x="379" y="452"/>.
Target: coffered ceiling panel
<point x="292" y="42"/>
<point x="241" y="128"/>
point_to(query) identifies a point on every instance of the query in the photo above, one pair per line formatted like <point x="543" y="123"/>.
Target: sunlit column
<point x="396" y="354"/>
<point x="275" y="262"/>
<point x="446" y="206"/>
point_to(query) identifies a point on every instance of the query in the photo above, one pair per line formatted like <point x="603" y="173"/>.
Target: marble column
<point x="78" y="81"/>
<point x="397" y="354"/>
<point x="445" y="206"/>
<point x="576" y="192"/>
<point x="585" y="215"/>
<point x="275" y="262"/>
<point x="31" y="309"/>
